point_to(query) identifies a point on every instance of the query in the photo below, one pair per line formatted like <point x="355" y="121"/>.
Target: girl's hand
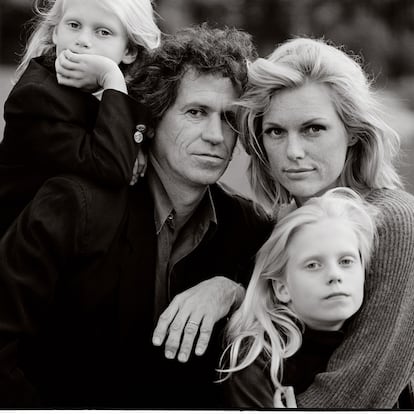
<point x="88" y="72"/>
<point x="140" y="166"/>
<point x="284" y="398"/>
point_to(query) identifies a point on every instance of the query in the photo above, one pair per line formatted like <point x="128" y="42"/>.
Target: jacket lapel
<point x="137" y="278"/>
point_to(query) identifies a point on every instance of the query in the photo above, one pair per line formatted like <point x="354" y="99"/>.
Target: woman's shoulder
<point x="396" y="207"/>
<point x="391" y="199"/>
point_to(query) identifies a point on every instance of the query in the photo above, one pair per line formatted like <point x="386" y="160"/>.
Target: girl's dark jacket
<point x="53" y="129"/>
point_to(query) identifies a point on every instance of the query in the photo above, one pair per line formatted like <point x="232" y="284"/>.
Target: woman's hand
<point x="195" y="311"/>
<point x="284" y="398"/>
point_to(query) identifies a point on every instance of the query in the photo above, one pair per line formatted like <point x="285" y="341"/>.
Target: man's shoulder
<point x="231" y="204"/>
<point x="99" y="209"/>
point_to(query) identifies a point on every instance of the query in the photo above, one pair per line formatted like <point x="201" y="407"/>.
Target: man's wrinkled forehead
<point x="206" y="89"/>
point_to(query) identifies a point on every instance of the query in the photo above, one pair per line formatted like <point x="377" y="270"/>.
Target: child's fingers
<point x="67" y="81"/>
<point x="277" y="399"/>
<point x="290" y="397"/>
<point x="134" y="178"/>
<point x="71" y="56"/>
<point x="142" y="160"/>
<point x="65" y="67"/>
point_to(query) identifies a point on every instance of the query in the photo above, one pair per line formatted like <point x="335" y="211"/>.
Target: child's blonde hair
<point x="136" y="15"/>
<point x="263" y="323"/>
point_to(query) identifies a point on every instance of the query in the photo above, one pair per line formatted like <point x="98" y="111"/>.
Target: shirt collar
<point x="162" y="202"/>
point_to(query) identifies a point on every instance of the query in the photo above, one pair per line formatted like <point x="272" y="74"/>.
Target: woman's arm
<point x="375" y="362"/>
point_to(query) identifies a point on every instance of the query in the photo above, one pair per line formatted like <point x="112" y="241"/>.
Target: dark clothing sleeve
<point x="48" y="240"/>
<point x="61" y="129"/>
<point x="250" y="388"/>
<point x="32" y="253"/>
<point x="53" y="129"/>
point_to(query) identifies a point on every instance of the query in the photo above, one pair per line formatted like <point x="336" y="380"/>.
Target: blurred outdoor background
<point x="382" y="31"/>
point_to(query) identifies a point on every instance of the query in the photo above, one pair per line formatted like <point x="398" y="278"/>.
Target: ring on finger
<point x="190" y="322"/>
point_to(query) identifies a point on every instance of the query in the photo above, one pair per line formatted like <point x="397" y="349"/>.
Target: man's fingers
<point x="163" y="324"/>
<point x="190" y="332"/>
<point x="206" y="329"/>
<point x="174" y="337"/>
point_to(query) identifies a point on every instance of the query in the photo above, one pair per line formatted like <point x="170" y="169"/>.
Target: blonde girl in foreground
<point x="307" y="282"/>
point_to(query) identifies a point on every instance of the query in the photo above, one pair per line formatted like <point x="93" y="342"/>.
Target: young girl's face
<point x="87" y="27"/>
<point x="324" y="278"/>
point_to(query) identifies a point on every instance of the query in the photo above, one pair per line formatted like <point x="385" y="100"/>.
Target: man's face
<point x="194" y="141"/>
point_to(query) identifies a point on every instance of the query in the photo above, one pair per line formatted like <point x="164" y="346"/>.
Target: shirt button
<point x="138" y="137"/>
<point x="141" y="128"/>
<point x="170" y="217"/>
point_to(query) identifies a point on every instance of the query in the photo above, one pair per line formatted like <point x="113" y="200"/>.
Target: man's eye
<point x="195" y="112"/>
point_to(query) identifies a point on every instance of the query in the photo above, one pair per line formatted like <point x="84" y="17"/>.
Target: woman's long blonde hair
<point x="263" y="323"/>
<point x="369" y="163"/>
<point x="136" y="15"/>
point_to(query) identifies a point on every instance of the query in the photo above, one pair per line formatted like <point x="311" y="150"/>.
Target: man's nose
<point x="213" y="131"/>
<point x="294" y="148"/>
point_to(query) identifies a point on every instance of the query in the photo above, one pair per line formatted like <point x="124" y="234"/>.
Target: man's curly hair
<point x="205" y="50"/>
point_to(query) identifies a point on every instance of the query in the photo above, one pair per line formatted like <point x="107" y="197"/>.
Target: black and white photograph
<point x="207" y="205"/>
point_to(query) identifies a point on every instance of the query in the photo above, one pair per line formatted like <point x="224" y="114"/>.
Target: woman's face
<point x="305" y="140"/>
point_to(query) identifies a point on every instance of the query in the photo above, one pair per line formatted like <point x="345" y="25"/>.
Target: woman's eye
<point x="273" y="132"/>
<point x="314" y="129"/>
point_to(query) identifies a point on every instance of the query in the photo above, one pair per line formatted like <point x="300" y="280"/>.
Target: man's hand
<point x="284" y="398"/>
<point x="193" y="311"/>
<point x="88" y="72"/>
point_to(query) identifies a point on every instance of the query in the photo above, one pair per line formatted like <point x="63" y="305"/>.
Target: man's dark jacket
<point x="77" y="273"/>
